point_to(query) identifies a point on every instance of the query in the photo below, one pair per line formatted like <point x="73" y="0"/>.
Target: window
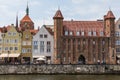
<point x="41" y="46"/>
<point x="35" y="42"/>
<point x="101" y="33"/>
<point x="77" y="33"/>
<point x="41" y="36"/>
<point x="48" y="46"/>
<point x="23" y="50"/>
<point x="7" y="41"/>
<point x="16" y="48"/>
<point x="0" y="48"/>
<point x="119" y="26"/>
<point x="117" y="33"/>
<point x="35" y="45"/>
<point x="117" y="49"/>
<point x="11" y="48"/>
<point x="16" y="41"/>
<point x="6" y="48"/>
<point x="89" y="33"/>
<point x="45" y="36"/>
<point x="71" y="33"/>
<point x="29" y="50"/>
<point x="9" y="33"/>
<point x="94" y="33"/>
<point x="117" y="42"/>
<point x="14" y="34"/>
<point x="82" y="33"/>
<point x="66" y="33"/>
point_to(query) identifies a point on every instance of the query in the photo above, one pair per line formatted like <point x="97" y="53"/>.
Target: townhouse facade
<point x="26" y="46"/>
<point x="43" y="44"/>
<point x="11" y="46"/>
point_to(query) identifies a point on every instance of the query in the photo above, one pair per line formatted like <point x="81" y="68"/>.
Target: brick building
<point x="84" y="42"/>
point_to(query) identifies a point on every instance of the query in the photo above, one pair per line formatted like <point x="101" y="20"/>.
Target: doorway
<point x="81" y="59"/>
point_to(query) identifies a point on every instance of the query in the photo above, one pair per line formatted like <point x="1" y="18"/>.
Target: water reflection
<point x="59" y="77"/>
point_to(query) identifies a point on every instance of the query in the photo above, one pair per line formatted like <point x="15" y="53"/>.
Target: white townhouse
<point x="43" y="42"/>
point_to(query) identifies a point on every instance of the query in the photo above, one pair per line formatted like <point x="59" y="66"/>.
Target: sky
<point x="42" y="11"/>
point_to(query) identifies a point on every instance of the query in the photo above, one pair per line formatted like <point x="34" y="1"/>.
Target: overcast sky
<point x="42" y="11"/>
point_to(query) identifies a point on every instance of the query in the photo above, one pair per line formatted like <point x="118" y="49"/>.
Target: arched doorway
<point x="81" y="59"/>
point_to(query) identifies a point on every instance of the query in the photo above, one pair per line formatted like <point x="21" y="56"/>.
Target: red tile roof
<point x="49" y="29"/>
<point x="26" y="18"/>
<point x="86" y="26"/>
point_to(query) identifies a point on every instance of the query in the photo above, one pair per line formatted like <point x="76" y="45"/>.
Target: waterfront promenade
<point x="59" y="69"/>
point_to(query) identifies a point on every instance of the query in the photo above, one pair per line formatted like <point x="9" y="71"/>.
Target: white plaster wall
<point x="49" y="38"/>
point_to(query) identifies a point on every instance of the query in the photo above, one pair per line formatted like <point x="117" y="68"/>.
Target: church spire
<point x="17" y="20"/>
<point x="27" y="9"/>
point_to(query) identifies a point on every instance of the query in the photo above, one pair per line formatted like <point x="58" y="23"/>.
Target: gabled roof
<point x="58" y="15"/>
<point x="26" y="18"/>
<point x="49" y="29"/>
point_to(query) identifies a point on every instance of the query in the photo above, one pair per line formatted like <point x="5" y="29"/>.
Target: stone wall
<point x="59" y="69"/>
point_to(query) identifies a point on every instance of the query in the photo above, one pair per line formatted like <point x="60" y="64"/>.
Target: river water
<point x="59" y="77"/>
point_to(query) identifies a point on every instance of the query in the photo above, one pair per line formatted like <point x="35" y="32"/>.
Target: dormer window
<point x="77" y="33"/>
<point x="66" y="33"/>
<point x="71" y="33"/>
<point x="89" y="33"/>
<point x="82" y="33"/>
<point x="94" y="33"/>
<point x="101" y="33"/>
